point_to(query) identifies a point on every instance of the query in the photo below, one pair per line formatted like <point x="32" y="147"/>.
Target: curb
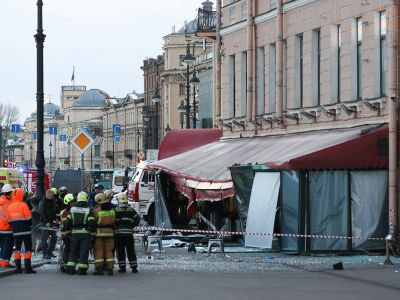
<point x="11" y="271"/>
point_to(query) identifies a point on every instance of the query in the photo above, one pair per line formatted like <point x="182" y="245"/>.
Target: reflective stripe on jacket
<point x="105" y="220"/>
<point x="19" y="214"/>
<point x="127" y="219"/>
<point x="5" y="227"/>
<point x="80" y="219"/>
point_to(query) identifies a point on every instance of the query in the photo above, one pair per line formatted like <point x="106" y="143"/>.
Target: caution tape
<point x="311" y="236"/>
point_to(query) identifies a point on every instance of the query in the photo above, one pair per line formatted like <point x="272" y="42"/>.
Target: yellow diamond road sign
<point x="82" y="141"/>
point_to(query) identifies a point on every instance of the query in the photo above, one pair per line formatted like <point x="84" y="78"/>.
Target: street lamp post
<point x="40" y="163"/>
<point x="50" y="145"/>
<point x="156" y="99"/>
<point x="189" y="61"/>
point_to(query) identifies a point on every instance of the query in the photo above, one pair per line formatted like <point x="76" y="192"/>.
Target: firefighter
<point x="69" y="201"/>
<point x="62" y="192"/>
<point x="127" y="219"/>
<point x="6" y="236"/>
<point x="80" y="222"/>
<point x="20" y="218"/>
<point x="104" y="215"/>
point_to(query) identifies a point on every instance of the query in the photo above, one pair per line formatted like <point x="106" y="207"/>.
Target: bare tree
<point x="8" y="115"/>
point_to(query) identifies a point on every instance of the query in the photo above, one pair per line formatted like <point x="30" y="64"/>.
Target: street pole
<point x="187" y="91"/>
<point x="113" y="160"/>
<point x="40" y="162"/>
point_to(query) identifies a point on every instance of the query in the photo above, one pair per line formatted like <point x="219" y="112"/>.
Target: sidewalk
<point x="36" y="262"/>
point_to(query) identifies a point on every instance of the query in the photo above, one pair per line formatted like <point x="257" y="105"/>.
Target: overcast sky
<point x="106" y="41"/>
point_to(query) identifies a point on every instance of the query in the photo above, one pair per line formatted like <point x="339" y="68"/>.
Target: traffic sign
<point x="15" y="128"/>
<point x="116" y="128"/>
<point x="140" y="154"/>
<point x="63" y="137"/>
<point x="117" y="138"/>
<point x="53" y="130"/>
<point x="82" y="141"/>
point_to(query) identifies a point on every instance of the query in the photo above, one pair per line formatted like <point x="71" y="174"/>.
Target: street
<point x="177" y="274"/>
<point x="381" y="283"/>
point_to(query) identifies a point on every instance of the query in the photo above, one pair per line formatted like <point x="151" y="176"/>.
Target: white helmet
<point x="7" y="188"/>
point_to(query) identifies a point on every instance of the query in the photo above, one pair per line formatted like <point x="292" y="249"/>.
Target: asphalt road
<point x="379" y="283"/>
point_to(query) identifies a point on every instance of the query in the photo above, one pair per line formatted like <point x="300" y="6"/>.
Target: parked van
<point x="15" y="177"/>
<point x="118" y="180"/>
<point x="141" y="192"/>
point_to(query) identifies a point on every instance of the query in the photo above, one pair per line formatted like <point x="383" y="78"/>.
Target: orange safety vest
<point x="5" y="227"/>
<point x="19" y="215"/>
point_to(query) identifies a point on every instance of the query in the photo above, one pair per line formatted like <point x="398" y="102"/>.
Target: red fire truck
<point x="30" y="180"/>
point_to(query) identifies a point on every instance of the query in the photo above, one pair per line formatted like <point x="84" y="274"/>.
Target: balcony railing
<point x="206" y="20"/>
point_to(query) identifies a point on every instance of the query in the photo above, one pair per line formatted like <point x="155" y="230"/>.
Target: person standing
<point x="104" y="215"/>
<point x="127" y="219"/>
<point x="48" y="217"/>
<point x="20" y="218"/>
<point x="69" y="201"/>
<point x="6" y="236"/>
<point x="81" y="223"/>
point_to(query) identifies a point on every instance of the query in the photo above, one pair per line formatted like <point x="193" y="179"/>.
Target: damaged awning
<point x="203" y="172"/>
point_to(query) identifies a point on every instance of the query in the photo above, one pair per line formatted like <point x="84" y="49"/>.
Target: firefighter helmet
<point x="68" y="199"/>
<point x="122" y="198"/>
<point x="100" y="198"/>
<point x="82" y="196"/>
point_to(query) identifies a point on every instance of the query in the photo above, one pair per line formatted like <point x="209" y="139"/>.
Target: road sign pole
<point x="113" y="160"/>
<point x="82" y="161"/>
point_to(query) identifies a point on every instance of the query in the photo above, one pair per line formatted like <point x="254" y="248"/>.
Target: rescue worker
<point x="69" y="201"/>
<point x="48" y="219"/>
<point x="62" y="192"/>
<point x="127" y="219"/>
<point x="104" y="215"/>
<point x="81" y="223"/>
<point x="20" y="218"/>
<point x="6" y="236"/>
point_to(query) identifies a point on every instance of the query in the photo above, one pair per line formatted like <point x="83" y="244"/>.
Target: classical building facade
<point x="302" y="65"/>
<point x="123" y="146"/>
<point x="175" y="75"/>
<point x="153" y="112"/>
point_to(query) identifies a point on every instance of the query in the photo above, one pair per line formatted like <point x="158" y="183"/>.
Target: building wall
<point x="127" y="113"/>
<point x="174" y="76"/>
<point x="303" y="21"/>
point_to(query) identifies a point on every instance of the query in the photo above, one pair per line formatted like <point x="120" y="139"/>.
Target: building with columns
<point x="121" y="147"/>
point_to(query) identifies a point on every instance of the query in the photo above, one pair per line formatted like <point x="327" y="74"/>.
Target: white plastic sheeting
<point x="160" y="208"/>
<point x="369" y="195"/>
<point x="262" y="208"/>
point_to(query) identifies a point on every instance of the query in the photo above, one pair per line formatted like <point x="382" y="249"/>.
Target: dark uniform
<point x="127" y="219"/>
<point x="81" y="223"/>
<point x="69" y="201"/>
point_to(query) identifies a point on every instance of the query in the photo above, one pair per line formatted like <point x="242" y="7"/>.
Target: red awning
<point x="178" y="141"/>
<point x="206" y="168"/>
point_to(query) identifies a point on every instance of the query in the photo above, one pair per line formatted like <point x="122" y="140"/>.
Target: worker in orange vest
<point x="20" y="218"/>
<point x="6" y="236"/>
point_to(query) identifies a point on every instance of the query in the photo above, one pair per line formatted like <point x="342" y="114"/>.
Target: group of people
<point x="106" y="228"/>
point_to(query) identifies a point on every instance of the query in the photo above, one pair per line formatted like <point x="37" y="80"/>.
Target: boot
<point x="134" y="270"/>
<point x="110" y="272"/>
<point x="99" y="271"/>
<point x="28" y="267"/>
<point x="71" y="270"/>
<point x="18" y="268"/>
<point x="122" y="270"/>
<point x="82" y="271"/>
